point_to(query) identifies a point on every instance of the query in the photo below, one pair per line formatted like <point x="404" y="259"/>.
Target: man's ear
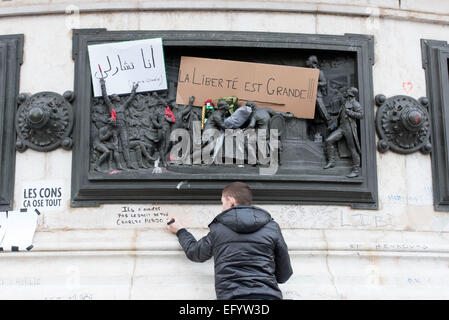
<point x="233" y="202"/>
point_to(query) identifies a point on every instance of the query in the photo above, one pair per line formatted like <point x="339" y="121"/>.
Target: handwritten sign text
<point x="280" y="87"/>
<point x="122" y="64"/>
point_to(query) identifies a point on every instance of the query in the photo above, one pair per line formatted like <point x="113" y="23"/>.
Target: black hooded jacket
<point x="250" y="254"/>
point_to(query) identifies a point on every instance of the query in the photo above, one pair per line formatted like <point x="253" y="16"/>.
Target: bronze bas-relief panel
<point x="435" y="60"/>
<point x="128" y="159"/>
<point x="11" y="49"/>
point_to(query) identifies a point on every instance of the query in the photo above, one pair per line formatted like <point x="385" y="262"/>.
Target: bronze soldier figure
<point x="164" y="117"/>
<point x="312" y="62"/>
<point x="347" y="128"/>
<point x="260" y="117"/>
<point x="216" y="120"/>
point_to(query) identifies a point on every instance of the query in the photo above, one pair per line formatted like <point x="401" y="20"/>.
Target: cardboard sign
<point x="282" y="88"/>
<point x="121" y="64"/>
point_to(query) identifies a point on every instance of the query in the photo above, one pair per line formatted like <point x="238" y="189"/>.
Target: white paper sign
<point x="47" y="195"/>
<point x="121" y="64"/>
<point x="19" y="229"/>
<point x="3" y="224"/>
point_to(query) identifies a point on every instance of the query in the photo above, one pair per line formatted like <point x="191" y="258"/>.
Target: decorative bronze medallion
<point x="402" y="124"/>
<point x="44" y="121"/>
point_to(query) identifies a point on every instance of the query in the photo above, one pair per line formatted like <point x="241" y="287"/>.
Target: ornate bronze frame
<point x="359" y="192"/>
<point x="435" y="57"/>
<point x="11" y="53"/>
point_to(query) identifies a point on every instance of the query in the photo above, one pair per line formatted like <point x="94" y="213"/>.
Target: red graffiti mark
<point x="407" y="86"/>
<point x="114" y="115"/>
<point x="169" y="114"/>
<point x="417" y="118"/>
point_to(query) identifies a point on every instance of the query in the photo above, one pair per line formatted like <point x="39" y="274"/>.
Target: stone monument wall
<point x="123" y="251"/>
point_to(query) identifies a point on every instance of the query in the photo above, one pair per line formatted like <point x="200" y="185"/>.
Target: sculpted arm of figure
<point x="284" y="114"/>
<point x="132" y="96"/>
<point x="218" y="121"/>
<point x="105" y="95"/>
<point x="161" y="99"/>
<point x="185" y="110"/>
<point x="104" y="133"/>
<point x="272" y="112"/>
<point x="288" y="115"/>
<point x="322" y="81"/>
<point x="356" y="112"/>
<point x="252" y="122"/>
<point x="197" y="251"/>
<point x="155" y="122"/>
<point x="115" y="140"/>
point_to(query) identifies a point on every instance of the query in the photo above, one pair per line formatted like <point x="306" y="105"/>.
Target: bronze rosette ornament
<point x="44" y="121"/>
<point x="402" y="124"/>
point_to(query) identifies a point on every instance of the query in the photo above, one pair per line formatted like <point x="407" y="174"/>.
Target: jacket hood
<point x="244" y="218"/>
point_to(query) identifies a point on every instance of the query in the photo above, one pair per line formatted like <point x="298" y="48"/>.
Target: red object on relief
<point x="169" y="114"/>
<point x="114" y="115"/>
<point x="209" y="101"/>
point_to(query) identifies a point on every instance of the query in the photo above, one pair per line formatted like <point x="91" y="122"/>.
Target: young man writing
<point x="250" y="254"/>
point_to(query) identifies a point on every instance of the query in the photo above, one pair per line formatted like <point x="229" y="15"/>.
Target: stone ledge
<point x="179" y="252"/>
<point x="378" y="10"/>
<point x="300" y="242"/>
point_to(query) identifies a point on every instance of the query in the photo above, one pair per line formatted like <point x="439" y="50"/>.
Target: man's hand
<point x="175" y="226"/>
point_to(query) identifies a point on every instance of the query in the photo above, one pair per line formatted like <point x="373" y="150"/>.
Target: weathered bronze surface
<point x="129" y="139"/>
<point x="403" y="124"/>
<point x="435" y="61"/>
<point x="346" y="128"/>
<point x="11" y="53"/>
<point x="44" y="121"/>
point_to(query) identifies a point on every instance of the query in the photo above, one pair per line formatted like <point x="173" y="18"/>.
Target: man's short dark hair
<point x="240" y="191"/>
